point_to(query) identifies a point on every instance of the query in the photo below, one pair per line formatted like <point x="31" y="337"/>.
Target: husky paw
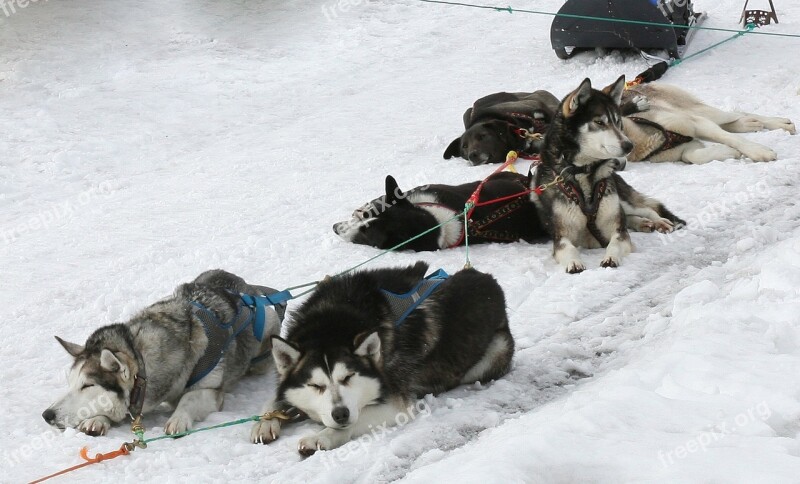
<point x="759" y="152"/>
<point x="265" y="431"/>
<point x="781" y="123"/>
<point x="576" y="266"/>
<point x="641" y="102"/>
<point x="177" y="423"/>
<point x="644" y="225"/>
<point x="610" y="261"/>
<point x="95" y="426"/>
<point x="310" y="444"/>
<point x="663" y="225"/>
<point x="746" y="124"/>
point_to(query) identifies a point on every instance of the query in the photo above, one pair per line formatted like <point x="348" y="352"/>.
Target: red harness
<point x="480" y="227"/>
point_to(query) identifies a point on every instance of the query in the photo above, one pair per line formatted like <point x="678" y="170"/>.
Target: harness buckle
<point x="275" y="414"/>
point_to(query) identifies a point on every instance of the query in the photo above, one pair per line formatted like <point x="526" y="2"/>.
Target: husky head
<point x="330" y="383"/>
<point x="389" y="220"/>
<point x="484" y="142"/>
<point x="100" y="381"/>
<point x="592" y="123"/>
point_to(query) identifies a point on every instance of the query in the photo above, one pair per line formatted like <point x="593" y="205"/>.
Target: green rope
<point x="295" y="296"/>
<point x="749" y="28"/>
<point x="254" y="418"/>
<point x="467" y="207"/>
<point x="601" y="19"/>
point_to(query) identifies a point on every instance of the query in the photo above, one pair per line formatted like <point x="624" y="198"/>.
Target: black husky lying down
<point x="500" y="122"/>
<point x="397" y="216"/>
<point x="349" y="363"/>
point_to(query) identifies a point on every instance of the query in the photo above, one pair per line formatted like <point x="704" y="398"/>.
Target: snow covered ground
<point x="143" y="142"/>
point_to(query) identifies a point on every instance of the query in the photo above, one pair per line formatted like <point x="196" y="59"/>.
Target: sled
<point x="569" y="34"/>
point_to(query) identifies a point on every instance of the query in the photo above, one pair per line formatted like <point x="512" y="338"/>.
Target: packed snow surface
<point x="144" y="142"/>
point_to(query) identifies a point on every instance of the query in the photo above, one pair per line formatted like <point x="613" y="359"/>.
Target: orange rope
<point x="89" y="461"/>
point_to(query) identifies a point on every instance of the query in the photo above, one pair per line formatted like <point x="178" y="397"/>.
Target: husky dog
<point x="501" y="122"/>
<point x="169" y="352"/>
<point x="397" y="216"/>
<point x="588" y="203"/>
<point x="346" y="363"/>
<point x="676" y="122"/>
<point x="664" y="123"/>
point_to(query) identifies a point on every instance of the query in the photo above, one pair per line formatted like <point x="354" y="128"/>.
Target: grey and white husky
<point x="346" y="363"/>
<point x="664" y="123"/>
<point x="186" y="350"/>
<point x="587" y="204"/>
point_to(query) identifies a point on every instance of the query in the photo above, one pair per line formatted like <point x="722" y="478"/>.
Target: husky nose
<point x="49" y="416"/>
<point x="627" y="147"/>
<point x="340" y="415"/>
<point x="478" y="158"/>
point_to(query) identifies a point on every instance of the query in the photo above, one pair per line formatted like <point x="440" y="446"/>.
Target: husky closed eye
<point x="346" y="380"/>
<point x="88" y="385"/>
<point x="319" y="388"/>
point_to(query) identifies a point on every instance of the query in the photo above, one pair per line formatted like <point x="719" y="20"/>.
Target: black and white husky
<point x="186" y="350"/>
<point x="586" y="203"/>
<point x="347" y="363"/>
<point x="398" y="216"/>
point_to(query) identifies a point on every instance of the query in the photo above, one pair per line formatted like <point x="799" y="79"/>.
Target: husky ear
<point x="616" y="89"/>
<point x="392" y="189"/>
<point x="72" y="348"/>
<point x="453" y="149"/>
<point x="577" y="98"/>
<point x="393" y="195"/>
<point x="369" y="345"/>
<point x="286" y="356"/>
<point x="110" y="362"/>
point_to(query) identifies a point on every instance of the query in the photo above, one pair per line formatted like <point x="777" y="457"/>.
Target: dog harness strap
<point x="401" y="305"/>
<point x="571" y="191"/>
<point x="259" y="302"/>
<point x="139" y="390"/>
<point x="480" y="228"/>
<point x="219" y="334"/>
<point x="252" y="311"/>
<point x="671" y="138"/>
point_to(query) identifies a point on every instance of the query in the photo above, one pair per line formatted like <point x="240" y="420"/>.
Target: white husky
<point x="676" y="123"/>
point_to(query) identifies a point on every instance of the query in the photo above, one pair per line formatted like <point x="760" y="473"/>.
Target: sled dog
<point x="501" y="122"/>
<point x="348" y="363"/>
<point x="664" y="123"/>
<point x="397" y="216"/>
<point x="186" y="350"/>
<point x="676" y="124"/>
<point x="587" y="203"/>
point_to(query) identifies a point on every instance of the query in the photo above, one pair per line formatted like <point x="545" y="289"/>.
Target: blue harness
<point x="252" y="312"/>
<point x="403" y="304"/>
